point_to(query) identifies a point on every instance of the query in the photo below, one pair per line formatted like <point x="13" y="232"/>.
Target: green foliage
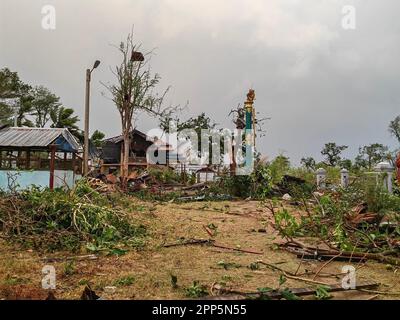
<point x="261" y="181"/>
<point x="332" y="153"/>
<point x="196" y="290"/>
<point x="282" y="280"/>
<point x="13" y="280"/>
<point x="53" y="220"/>
<point x="322" y="293"/>
<point x="237" y="186"/>
<point x="42" y="104"/>
<point x="97" y="138"/>
<point x="10" y="84"/>
<point x="11" y="87"/>
<point x="289" y="295"/>
<point x="263" y="293"/>
<point x="346" y="164"/>
<point x="228" y="265"/>
<point x="287" y="224"/>
<point x="330" y="218"/>
<point x="279" y="167"/>
<point x="308" y="163"/>
<point x="124" y="281"/>
<point x="258" y="185"/>
<point x="164" y="175"/>
<point x="64" y="118"/>
<point x="370" y="155"/>
<point x="380" y="201"/>
<point x="394" y="128"/>
<point x="36" y="106"/>
<point x="303" y="173"/>
<point x="69" y="268"/>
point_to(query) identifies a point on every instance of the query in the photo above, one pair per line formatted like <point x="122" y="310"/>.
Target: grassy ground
<point x="147" y="274"/>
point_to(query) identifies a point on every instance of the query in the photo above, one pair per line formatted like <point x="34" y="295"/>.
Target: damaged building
<point x="144" y="151"/>
<point x="45" y="157"/>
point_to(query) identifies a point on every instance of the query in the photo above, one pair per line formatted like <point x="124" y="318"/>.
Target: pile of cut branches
<point x="352" y="220"/>
<point x="55" y="220"/>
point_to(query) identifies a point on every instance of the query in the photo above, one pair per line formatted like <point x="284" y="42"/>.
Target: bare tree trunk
<point x="125" y="161"/>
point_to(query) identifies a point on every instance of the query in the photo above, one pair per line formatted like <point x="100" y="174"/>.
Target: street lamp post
<point x="87" y="102"/>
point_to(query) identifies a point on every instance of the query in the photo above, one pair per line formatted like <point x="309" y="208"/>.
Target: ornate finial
<point x="251" y="96"/>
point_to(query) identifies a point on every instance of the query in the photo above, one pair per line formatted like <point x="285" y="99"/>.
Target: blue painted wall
<point x="25" y="179"/>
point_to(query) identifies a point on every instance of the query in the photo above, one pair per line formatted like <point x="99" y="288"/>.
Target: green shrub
<point x="278" y="168"/>
<point x="196" y="290"/>
<point x="164" y="175"/>
<point x="257" y="185"/>
<point x="58" y="219"/>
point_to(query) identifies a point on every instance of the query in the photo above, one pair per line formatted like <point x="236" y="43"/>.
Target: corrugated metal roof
<point x="35" y="137"/>
<point x="120" y="138"/>
<point x="162" y="146"/>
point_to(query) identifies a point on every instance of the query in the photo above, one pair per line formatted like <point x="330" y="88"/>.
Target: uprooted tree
<point x="133" y="94"/>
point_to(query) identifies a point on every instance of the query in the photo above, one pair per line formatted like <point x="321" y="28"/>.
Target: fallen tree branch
<point x="346" y="254"/>
<point x="235" y="249"/>
<point x="189" y="242"/>
<point x="279" y="294"/>
<point x="209" y="242"/>
<point x="380" y="292"/>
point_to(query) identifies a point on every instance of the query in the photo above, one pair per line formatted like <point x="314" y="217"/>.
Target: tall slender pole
<point x="86" y="142"/>
<point x="52" y="165"/>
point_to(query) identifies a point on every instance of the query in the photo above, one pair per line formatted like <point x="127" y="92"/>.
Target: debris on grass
<point x="52" y="220"/>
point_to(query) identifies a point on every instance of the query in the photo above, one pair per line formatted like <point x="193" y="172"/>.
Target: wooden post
<point x="28" y="160"/>
<point x="102" y="168"/>
<point x="233" y="162"/>
<point x="73" y="162"/>
<point x="65" y="161"/>
<point x="52" y="165"/>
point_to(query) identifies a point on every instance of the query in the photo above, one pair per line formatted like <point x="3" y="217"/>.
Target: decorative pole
<point x="250" y="128"/>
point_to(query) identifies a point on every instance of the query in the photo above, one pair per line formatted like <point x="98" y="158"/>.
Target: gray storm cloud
<point x="317" y="81"/>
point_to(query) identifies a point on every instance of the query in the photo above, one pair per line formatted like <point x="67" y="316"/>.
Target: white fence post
<point x="321" y="178"/>
<point x="344" y="178"/>
<point x="387" y="169"/>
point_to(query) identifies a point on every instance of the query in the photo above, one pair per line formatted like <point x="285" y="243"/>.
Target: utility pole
<point x="87" y="109"/>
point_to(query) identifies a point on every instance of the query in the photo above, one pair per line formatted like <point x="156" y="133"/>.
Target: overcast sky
<point x="317" y="81"/>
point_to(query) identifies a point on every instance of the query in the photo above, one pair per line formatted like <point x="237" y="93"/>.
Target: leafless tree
<point x="133" y="94"/>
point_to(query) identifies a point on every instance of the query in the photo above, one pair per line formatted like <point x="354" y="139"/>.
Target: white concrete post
<point x="387" y="169"/>
<point x="321" y="178"/>
<point x="390" y="182"/>
<point x="344" y="178"/>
